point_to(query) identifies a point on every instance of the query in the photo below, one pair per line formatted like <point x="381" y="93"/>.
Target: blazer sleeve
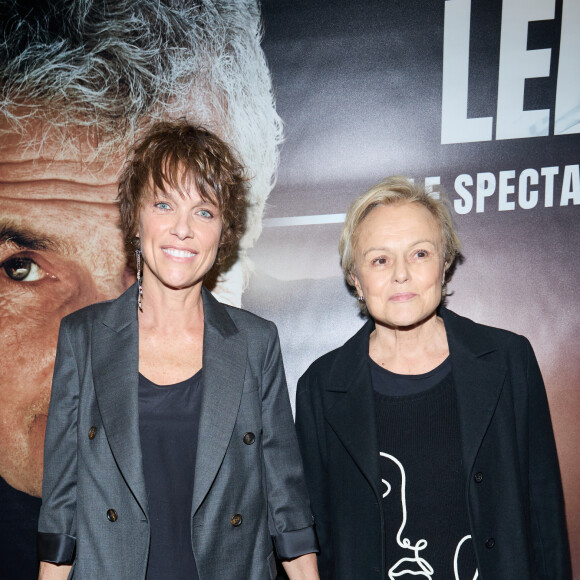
<point x="56" y="527"/>
<point x="548" y="519"/>
<point x="311" y="439"/>
<point x="289" y="515"/>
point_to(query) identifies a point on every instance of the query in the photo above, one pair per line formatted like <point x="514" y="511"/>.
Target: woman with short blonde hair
<point x="390" y="191"/>
<point x="426" y="438"/>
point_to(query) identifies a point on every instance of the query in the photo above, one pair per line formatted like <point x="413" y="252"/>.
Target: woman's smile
<point x="178" y="252"/>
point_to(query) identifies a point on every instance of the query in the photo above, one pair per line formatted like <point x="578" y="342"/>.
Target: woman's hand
<point x="53" y="571"/>
<point x="302" y="568"/>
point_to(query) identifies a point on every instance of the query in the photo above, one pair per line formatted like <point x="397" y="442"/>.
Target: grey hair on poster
<point x="114" y="67"/>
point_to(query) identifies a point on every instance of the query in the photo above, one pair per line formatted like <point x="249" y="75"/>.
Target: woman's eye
<point x="380" y="261"/>
<point x="22" y="270"/>
<point x="162" y="205"/>
<point x="421" y="253"/>
<point x="205" y="213"/>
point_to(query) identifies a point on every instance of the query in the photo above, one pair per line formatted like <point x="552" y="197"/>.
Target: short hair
<point x="114" y="67"/>
<point x="176" y="154"/>
<point x="394" y="190"/>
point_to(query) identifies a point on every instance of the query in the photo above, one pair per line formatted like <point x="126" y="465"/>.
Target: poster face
<point x="476" y="99"/>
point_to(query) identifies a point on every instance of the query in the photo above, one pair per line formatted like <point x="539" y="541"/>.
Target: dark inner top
<point x="168" y="425"/>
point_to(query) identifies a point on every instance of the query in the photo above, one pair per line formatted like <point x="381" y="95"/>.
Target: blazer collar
<point x="115" y="366"/>
<point x="224" y="369"/>
<point x="216" y="315"/>
<point x="122" y="311"/>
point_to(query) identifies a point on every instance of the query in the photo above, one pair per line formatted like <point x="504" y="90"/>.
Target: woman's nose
<point x="401" y="271"/>
<point x="182" y="226"/>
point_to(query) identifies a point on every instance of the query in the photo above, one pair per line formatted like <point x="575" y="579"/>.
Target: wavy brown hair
<point x="176" y="155"/>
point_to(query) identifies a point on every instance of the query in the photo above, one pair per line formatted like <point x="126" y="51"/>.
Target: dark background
<point x="359" y="86"/>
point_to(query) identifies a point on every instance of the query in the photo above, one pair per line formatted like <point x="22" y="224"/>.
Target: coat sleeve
<point x="56" y="527"/>
<point x="310" y="431"/>
<point x="289" y="515"/>
<point x="548" y="518"/>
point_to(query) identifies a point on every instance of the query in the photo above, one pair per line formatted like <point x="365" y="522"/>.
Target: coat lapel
<point x="477" y="374"/>
<point x="224" y="369"/>
<point x="478" y="378"/>
<point x="115" y="364"/>
<point x="351" y="407"/>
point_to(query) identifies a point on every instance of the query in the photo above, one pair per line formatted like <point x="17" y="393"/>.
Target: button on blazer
<point x="248" y="485"/>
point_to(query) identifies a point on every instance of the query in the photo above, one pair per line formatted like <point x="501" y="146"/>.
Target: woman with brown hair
<point x="170" y="449"/>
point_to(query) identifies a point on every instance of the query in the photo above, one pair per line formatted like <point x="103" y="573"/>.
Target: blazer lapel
<point x="351" y="408"/>
<point x="115" y="364"/>
<point x="478" y="379"/>
<point x="224" y="369"/>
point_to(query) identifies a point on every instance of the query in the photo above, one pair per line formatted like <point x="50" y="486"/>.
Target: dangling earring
<point x="139" y="279"/>
<point x="361" y="298"/>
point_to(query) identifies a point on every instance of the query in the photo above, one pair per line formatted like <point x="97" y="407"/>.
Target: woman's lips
<point x="402" y="297"/>
<point x="178" y="252"/>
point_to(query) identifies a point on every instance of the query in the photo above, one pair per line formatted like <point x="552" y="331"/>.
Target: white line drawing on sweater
<point x="456" y="557"/>
<point x="401" y="567"/>
<point x="416" y="565"/>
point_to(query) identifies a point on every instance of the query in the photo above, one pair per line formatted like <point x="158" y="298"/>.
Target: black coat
<point x="512" y="480"/>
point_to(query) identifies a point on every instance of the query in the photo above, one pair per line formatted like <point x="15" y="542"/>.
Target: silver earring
<point x="139" y="279"/>
<point x="361" y="298"/>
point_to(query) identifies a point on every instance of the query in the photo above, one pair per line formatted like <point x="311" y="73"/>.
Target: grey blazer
<point x="94" y="510"/>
